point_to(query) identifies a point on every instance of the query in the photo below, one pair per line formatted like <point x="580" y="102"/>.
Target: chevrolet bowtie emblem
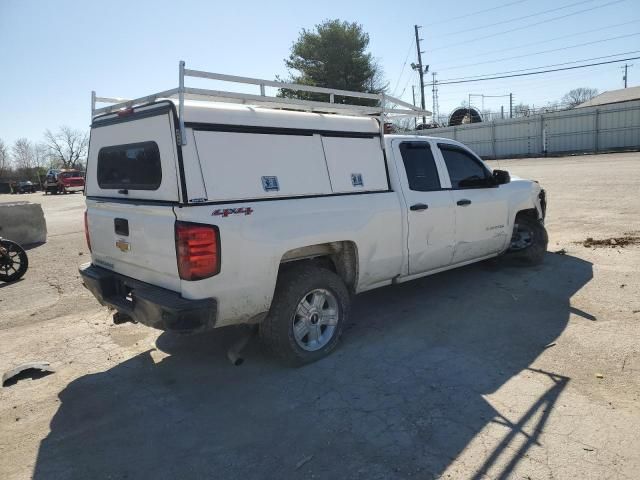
<point x="123" y="246"/>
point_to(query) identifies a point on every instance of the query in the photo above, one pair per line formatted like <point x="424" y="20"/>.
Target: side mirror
<point x="500" y="177"/>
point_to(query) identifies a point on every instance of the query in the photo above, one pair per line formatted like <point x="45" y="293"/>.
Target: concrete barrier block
<point x="23" y="222"/>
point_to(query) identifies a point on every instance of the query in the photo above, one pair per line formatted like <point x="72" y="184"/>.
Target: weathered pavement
<point x="490" y="371"/>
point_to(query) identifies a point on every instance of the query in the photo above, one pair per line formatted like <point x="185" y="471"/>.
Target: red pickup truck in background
<point x="64" y="181"/>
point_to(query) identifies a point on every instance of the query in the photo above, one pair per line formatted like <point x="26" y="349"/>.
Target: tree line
<point x="28" y="160"/>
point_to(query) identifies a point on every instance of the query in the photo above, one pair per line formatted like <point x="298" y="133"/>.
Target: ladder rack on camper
<point x="386" y="104"/>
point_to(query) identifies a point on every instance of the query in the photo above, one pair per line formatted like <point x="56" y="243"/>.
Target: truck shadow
<point x="403" y="396"/>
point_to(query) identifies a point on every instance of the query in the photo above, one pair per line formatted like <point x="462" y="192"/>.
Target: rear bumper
<point x="74" y="188"/>
<point x="147" y="304"/>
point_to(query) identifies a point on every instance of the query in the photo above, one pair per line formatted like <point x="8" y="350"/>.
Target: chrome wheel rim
<point x="522" y="237"/>
<point x="315" y="319"/>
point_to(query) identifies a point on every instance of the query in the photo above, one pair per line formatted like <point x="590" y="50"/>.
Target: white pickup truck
<point x="234" y="214"/>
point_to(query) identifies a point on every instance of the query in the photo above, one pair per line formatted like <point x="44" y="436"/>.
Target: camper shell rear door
<point x="133" y="154"/>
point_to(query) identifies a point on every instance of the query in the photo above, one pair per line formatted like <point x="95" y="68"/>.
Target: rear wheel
<point x="529" y="240"/>
<point x="13" y="261"/>
<point x="309" y="309"/>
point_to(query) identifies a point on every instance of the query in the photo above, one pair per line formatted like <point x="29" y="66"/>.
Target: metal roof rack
<point x="386" y="104"/>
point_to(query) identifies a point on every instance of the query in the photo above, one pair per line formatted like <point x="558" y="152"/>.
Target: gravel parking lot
<point x="489" y="371"/>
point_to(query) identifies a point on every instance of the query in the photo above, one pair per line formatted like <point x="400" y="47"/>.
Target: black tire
<point x="13" y="261"/>
<point x="530" y="252"/>
<point x="294" y="285"/>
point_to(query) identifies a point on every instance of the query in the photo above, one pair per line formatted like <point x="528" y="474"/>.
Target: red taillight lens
<point x="198" y="250"/>
<point x="86" y="230"/>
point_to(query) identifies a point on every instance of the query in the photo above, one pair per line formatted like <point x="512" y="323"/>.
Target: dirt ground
<point x="486" y="372"/>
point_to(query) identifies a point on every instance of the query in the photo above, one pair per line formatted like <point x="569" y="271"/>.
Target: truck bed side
<point x="254" y="244"/>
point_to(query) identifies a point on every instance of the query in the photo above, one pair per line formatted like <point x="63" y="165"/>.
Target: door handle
<point x="418" y="206"/>
<point x="464" y="202"/>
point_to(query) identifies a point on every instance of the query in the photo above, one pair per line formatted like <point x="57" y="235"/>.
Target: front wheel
<point x="529" y="240"/>
<point x="309" y="309"/>
<point x="13" y="261"/>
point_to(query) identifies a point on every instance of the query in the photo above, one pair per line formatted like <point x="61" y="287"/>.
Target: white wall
<point x="592" y="129"/>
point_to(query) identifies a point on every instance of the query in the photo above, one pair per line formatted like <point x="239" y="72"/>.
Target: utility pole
<point x="413" y="93"/>
<point x="434" y="90"/>
<point x="420" y="72"/>
<point x="511" y="105"/>
<point x="626" y="69"/>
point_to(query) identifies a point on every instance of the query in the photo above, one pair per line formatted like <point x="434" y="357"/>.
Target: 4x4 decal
<point x="225" y="212"/>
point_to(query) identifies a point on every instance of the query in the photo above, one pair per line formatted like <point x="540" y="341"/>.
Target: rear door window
<point x="420" y="166"/>
<point x="134" y="166"/>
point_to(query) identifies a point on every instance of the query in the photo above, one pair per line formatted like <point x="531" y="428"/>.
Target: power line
<point x="548" y="40"/>
<point x="526" y="26"/>
<point x="568" y="47"/>
<point x="406" y="84"/>
<point x="547" y="66"/>
<point x="504" y="5"/>
<point x="445" y="82"/>
<point x="520" y="83"/>
<point x="406" y="59"/>
<point x="520" y="18"/>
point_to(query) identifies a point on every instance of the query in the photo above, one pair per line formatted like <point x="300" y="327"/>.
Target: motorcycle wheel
<point x="13" y="261"/>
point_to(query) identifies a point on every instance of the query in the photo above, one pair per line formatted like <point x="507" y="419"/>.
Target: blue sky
<point x="53" y="53"/>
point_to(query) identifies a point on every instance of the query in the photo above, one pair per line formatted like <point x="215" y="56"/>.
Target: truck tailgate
<point x="134" y="239"/>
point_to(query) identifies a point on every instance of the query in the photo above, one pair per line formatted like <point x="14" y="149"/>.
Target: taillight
<point x="86" y="230"/>
<point x="198" y="250"/>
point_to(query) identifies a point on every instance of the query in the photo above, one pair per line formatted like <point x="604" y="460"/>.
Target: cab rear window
<point x="135" y="166"/>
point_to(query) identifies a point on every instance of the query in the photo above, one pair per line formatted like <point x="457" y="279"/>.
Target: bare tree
<point x="403" y="124"/>
<point x="551" y="107"/>
<point x="23" y="154"/>
<point x="5" y="159"/>
<point x="41" y="160"/>
<point x="522" y="110"/>
<point x="41" y="155"/>
<point x="67" y="146"/>
<point x="577" y="96"/>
